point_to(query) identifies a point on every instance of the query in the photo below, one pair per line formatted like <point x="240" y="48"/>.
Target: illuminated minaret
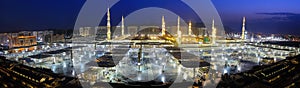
<point x="190" y="28"/>
<point x="178" y="31"/>
<point x="163" y="26"/>
<point x="243" y="28"/>
<point x="214" y="32"/>
<point x="123" y="26"/>
<point x="108" y="34"/>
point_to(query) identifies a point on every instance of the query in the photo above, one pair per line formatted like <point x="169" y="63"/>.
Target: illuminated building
<point x="282" y="74"/>
<point x="84" y="31"/>
<point x="34" y="33"/>
<point x="5" y="39"/>
<point x="101" y="33"/>
<point x="21" y="41"/>
<point x="25" y="33"/>
<point x="15" y="75"/>
<point x="45" y="36"/>
<point x="58" y="38"/>
<point x="206" y="40"/>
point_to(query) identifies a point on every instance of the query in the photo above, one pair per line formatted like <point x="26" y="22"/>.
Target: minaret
<point x="163" y="26"/>
<point x="178" y="31"/>
<point x="214" y="31"/>
<point x="243" y="28"/>
<point x="122" y="26"/>
<point x="190" y="28"/>
<point x="108" y="34"/>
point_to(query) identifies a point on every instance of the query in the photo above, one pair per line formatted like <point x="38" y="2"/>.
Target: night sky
<point x="266" y="16"/>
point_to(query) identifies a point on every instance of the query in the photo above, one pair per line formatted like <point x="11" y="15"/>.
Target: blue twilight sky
<point x="266" y="16"/>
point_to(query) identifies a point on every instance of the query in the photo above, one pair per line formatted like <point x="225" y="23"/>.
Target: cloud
<point x="282" y="16"/>
<point x="279" y="13"/>
<point x="281" y="22"/>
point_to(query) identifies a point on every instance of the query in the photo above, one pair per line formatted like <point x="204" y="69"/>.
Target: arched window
<point x="31" y="41"/>
<point x="22" y="42"/>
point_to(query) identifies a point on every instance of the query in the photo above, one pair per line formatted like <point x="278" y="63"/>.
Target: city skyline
<point x="263" y="16"/>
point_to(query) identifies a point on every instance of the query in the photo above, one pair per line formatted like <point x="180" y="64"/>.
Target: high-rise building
<point x="5" y="39"/>
<point x="101" y="33"/>
<point x="25" y="33"/>
<point x="35" y="33"/>
<point x="84" y="31"/>
<point x="47" y="36"/>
